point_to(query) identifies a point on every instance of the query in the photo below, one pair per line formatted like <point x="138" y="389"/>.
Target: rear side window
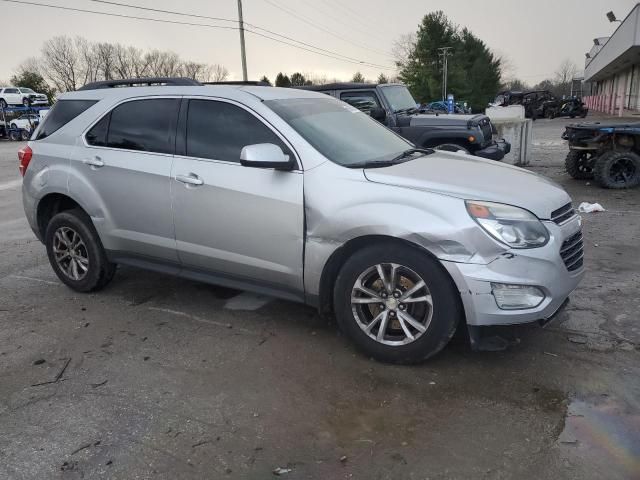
<point x="219" y="131"/>
<point x="60" y="114"/>
<point x="144" y="125"/>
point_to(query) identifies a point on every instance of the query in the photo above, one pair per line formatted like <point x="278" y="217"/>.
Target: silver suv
<point x="298" y="195"/>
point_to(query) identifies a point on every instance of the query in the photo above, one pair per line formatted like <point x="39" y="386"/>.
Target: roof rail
<point x="141" y="82"/>
<point x="257" y="83"/>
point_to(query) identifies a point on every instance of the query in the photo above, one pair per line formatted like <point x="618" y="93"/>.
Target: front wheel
<point x="396" y="303"/>
<point x="26" y="102"/>
<point x="3" y="103"/>
<point x="579" y="164"/>
<point x="617" y="170"/>
<point x="76" y="253"/>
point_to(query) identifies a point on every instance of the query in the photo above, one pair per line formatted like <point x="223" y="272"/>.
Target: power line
<point x="345" y="23"/>
<point x="270" y="32"/>
<point x="158" y="20"/>
<point x="314" y="24"/>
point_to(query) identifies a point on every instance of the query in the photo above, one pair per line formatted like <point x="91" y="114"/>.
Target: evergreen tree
<point x="358" y="78"/>
<point x="282" y="80"/>
<point x="298" y="80"/>
<point x="265" y="79"/>
<point x="382" y="78"/>
<point x="473" y="71"/>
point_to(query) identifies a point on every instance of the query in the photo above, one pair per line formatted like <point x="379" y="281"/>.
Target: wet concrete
<point x="155" y="378"/>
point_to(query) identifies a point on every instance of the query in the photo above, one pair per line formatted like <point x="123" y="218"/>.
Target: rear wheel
<point x="396" y="304"/>
<point x="617" y="170"/>
<point x="3" y="103"/>
<point x="76" y="253"/>
<point x="579" y="164"/>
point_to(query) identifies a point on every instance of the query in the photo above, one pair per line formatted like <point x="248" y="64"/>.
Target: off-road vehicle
<point x="606" y="152"/>
<point x="393" y="105"/>
<point x="300" y="196"/>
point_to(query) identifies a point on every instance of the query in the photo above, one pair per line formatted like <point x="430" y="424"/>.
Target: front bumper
<point x="540" y="267"/>
<point x="495" y="151"/>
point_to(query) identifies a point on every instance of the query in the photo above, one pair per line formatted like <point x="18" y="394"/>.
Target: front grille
<point x="563" y="214"/>
<point x="572" y="252"/>
<point x="487" y="131"/>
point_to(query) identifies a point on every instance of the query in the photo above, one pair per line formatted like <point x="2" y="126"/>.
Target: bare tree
<point x="566" y="72"/>
<point x="216" y="73"/>
<point x="61" y="62"/>
<point x="69" y="63"/>
<point x="402" y="48"/>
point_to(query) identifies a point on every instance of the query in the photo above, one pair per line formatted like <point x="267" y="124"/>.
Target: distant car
<point x="442" y="106"/>
<point x="21" y="96"/>
<point x="28" y="122"/>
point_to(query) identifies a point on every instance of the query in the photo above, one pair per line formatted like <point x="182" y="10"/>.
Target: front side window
<point x="339" y="131"/>
<point x="26" y="90"/>
<point x="219" y="131"/>
<point x="145" y="125"/>
<point x="363" y="101"/>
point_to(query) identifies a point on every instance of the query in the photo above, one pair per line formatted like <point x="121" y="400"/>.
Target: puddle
<point x="605" y="433"/>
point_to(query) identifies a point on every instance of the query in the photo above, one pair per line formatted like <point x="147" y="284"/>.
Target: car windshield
<point x="26" y="90"/>
<point x="398" y="97"/>
<point x="340" y="132"/>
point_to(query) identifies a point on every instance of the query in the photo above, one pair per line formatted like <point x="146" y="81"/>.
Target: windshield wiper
<point x="412" y="151"/>
<point x="372" y="164"/>
<point x="407" y="110"/>
<point x="394" y="161"/>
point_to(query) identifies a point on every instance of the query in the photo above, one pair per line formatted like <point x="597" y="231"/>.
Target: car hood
<point x="441" y="119"/>
<point x="473" y="178"/>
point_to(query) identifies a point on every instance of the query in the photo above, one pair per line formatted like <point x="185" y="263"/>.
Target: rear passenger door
<point x="241" y="224"/>
<point x="124" y="161"/>
<point x="12" y="96"/>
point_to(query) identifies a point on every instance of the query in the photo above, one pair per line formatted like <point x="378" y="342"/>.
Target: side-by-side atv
<point x="608" y="153"/>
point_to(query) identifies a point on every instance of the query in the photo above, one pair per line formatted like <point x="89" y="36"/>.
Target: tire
<point x="65" y="228"/>
<point x="617" y="170"/>
<point x="14" y="126"/>
<point x="24" y="135"/>
<point x="3" y="103"/>
<point x="26" y="102"/>
<point x="14" y="136"/>
<point x="579" y="164"/>
<point x="393" y="345"/>
<point x="452" y="147"/>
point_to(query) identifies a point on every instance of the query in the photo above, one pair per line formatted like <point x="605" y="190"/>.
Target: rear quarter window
<point x="60" y="114"/>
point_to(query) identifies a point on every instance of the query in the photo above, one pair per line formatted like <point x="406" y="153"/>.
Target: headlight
<point x="514" y="226"/>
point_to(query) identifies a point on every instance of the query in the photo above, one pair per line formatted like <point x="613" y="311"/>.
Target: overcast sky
<point x="536" y="35"/>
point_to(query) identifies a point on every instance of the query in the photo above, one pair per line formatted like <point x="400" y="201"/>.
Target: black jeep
<point x="608" y="153"/>
<point x="393" y="105"/>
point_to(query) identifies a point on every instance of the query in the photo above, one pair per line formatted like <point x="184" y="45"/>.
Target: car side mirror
<point x="265" y="155"/>
<point x="379" y="114"/>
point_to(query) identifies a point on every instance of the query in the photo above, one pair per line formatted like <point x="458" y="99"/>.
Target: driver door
<point x="243" y="225"/>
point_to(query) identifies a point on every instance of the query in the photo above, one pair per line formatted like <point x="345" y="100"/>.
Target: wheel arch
<point x="337" y="259"/>
<point x="52" y="204"/>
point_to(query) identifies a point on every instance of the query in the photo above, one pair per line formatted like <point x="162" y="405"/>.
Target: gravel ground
<point x="158" y="377"/>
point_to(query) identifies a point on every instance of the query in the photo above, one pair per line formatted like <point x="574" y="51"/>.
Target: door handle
<point x="94" y="162"/>
<point x="190" y="179"/>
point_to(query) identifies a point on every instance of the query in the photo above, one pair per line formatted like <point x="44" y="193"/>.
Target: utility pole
<point x="243" y="52"/>
<point x="444" y="53"/>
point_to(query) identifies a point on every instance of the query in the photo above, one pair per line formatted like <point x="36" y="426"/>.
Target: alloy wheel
<point x="392" y="304"/>
<point x="622" y="170"/>
<point x="70" y="253"/>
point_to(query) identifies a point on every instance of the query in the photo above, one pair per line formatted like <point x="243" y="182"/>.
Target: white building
<point x="612" y="68"/>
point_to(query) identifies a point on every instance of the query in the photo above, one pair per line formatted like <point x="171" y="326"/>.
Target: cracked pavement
<point x="158" y="377"/>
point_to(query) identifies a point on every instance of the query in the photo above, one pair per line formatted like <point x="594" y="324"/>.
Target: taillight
<point x="24" y="155"/>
